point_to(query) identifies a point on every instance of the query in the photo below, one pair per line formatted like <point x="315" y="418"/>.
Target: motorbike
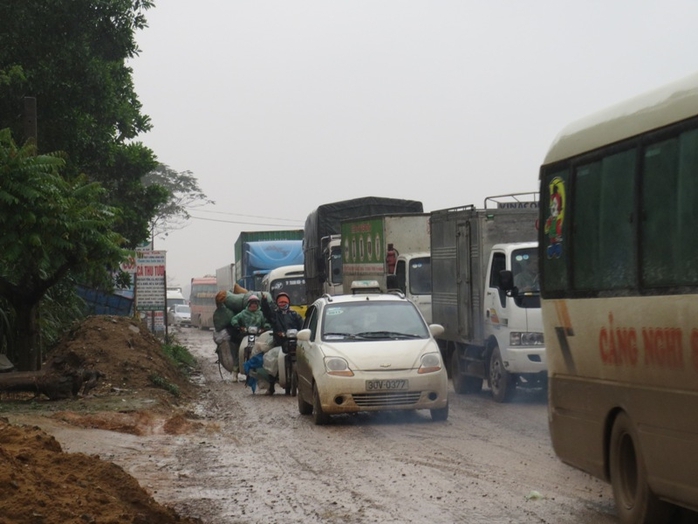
<point x="246" y="347"/>
<point x="287" y="363"/>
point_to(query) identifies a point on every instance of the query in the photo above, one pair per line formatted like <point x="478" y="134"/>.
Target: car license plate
<point x="384" y="385"/>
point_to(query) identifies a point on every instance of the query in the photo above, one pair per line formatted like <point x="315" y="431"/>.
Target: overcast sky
<point x="277" y="107"/>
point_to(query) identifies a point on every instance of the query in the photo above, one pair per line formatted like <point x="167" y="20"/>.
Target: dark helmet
<point x="283" y="294"/>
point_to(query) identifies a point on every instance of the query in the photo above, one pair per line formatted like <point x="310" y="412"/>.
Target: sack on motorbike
<point x="264" y="343"/>
<point x="271" y="360"/>
<point x="238" y="301"/>
<point x="221" y="336"/>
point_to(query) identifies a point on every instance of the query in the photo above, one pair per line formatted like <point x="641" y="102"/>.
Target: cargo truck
<point x="258" y="252"/>
<point x="392" y="250"/>
<point x="322" y="246"/>
<point x="225" y="277"/>
<point x="492" y="328"/>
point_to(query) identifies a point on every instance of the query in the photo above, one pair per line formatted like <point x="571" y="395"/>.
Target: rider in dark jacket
<point x="282" y="317"/>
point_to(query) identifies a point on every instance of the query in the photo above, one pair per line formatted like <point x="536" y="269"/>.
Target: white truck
<point x="492" y="329"/>
<point x="392" y="250"/>
<point x="225" y="277"/>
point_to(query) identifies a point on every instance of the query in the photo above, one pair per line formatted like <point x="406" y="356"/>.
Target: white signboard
<point x="150" y="281"/>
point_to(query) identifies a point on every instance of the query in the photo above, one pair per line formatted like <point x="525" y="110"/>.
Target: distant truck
<point x="322" y="244"/>
<point x="392" y="250"/>
<point x="225" y="277"/>
<point x="492" y="329"/>
<point x="175" y="297"/>
<point x="258" y="252"/>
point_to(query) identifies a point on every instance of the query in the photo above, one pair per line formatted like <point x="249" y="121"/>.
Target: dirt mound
<point x="126" y="384"/>
<point x="129" y="358"/>
<point x="43" y="484"/>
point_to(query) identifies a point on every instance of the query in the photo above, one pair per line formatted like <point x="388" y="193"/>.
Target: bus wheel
<point x="635" y="502"/>
<point x="502" y="383"/>
<point x="463" y="383"/>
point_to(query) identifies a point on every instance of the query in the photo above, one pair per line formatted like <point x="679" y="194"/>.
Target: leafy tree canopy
<point x="71" y="56"/>
<point x="184" y="194"/>
<point x="52" y="226"/>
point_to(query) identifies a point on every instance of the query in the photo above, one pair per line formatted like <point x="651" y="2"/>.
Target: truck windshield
<point x="420" y="276"/>
<point x="524" y="265"/>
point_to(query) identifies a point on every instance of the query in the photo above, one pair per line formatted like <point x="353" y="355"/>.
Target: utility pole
<point x="30" y="124"/>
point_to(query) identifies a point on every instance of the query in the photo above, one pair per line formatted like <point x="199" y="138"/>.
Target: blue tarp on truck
<point x="258" y="258"/>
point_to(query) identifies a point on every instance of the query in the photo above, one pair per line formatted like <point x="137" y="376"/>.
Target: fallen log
<point x="59" y="380"/>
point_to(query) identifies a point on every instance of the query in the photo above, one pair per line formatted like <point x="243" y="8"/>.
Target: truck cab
<point x="511" y="310"/>
<point x="332" y="255"/>
<point x="413" y="278"/>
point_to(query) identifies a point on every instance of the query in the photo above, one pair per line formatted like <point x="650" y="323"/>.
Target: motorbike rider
<point x="281" y="318"/>
<point x="250" y="316"/>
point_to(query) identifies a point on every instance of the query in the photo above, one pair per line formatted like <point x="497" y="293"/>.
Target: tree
<point x="50" y="226"/>
<point x="71" y="56"/>
<point x="183" y="194"/>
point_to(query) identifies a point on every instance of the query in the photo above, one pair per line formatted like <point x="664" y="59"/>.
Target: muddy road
<point x="255" y="459"/>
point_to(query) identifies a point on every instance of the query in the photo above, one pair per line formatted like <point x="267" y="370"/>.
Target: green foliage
<point x="70" y="55"/>
<point x="163" y="383"/>
<point x="178" y="354"/>
<point x="52" y="227"/>
<point x="50" y="224"/>
<point x="183" y="193"/>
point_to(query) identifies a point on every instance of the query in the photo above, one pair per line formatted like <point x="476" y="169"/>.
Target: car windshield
<point x="182" y="309"/>
<point x="372" y="320"/>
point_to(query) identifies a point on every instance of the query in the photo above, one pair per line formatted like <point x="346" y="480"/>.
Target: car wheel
<point x="303" y="407"/>
<point x="463" y="383"/>
<point x="635" y="501"/>
<point x="502" y="383"/>
<point x="321" y="418"/>
<point x="439" y="415"/>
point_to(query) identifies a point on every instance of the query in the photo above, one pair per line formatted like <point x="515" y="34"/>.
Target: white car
<point x="180" y="315"/>
<point x="369" y="352"/>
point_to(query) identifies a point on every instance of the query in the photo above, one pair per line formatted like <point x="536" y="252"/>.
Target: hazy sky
<point x="277" y="107"/>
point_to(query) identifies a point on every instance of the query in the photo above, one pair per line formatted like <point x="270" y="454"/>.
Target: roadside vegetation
<point x="78" y="191"/>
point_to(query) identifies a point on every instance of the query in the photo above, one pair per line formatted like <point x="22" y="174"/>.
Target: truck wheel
<point x="502" y="383"/>
<point x="463" y="384"/>
<point x="635" y="501"/>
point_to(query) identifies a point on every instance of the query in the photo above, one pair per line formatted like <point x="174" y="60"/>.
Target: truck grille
<point x="387" y="398"/>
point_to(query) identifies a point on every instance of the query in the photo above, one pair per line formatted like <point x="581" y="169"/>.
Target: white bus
<point x="619" y="283"/>
<point x="290" y="279"/>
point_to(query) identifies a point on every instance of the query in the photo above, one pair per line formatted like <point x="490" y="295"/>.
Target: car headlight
<point x="430" y="363"/>
<point x="524" y="338"/>
<point x="338" y="367"/>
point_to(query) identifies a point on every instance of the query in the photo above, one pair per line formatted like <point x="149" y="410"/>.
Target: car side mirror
<point x="436" y="329"/>
<point x="303" y="335"/>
